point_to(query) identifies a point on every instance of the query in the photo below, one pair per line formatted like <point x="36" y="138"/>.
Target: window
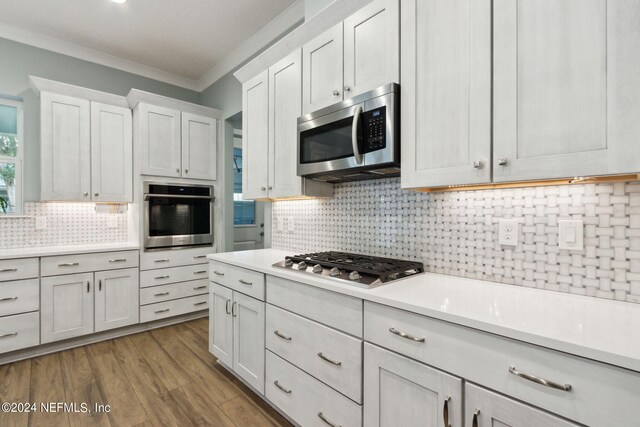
<point x="11" y="141"/>
<point x="244" y="211"/>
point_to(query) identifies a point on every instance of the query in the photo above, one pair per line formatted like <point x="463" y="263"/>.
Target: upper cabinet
<point x="255" y="137"/>
<point x="446" y="92"/>
<point x="353" y="57"/>
<point x="86" y="149"/>
<point x="566" y="88"/>
<point x="176" y="139"/>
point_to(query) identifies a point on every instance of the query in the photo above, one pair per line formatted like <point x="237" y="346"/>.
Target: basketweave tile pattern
<point x="67" y="224"/>
<point x="456" y="233"/>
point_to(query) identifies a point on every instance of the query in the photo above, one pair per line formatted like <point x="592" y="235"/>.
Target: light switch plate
<point x="508" y="232"/>
<point x="571" y="234"/>
<point x="112" y="221"/>
<point x="41" y="222"/>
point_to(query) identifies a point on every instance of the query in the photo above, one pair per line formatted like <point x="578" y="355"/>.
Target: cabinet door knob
<point x="263" y="188"/>
<point x="178" y="170"/>
<point x="347" y="89"/>
<point x="96" y="194"/>
<point x="186" y="171"/>
<point x="503" y="162"/>
<point x="270" y="188"/>
<point x="336" y="93"/>
<point x="85" y="194"/>
<point x="478" y="164"/>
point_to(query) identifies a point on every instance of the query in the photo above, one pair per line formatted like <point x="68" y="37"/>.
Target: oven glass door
<point x="178" y="221"/>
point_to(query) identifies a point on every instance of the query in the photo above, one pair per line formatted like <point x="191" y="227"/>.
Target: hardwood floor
<point x="164" y="377"/>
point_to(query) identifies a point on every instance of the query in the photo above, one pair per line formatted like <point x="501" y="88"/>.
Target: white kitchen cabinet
<point x="486" y="408"/>
<point x="255" y="137"/>
<point x="160" y="140"/>
<point x="65" y="140"/>
<point x="402" y="392"/>
<point x="566" y="88"/>
<point x="371" y="47"/>
<point x="445" y="92"/>
<point x="66" y="309"/>
<point x="199" y="135"/>
<point x="116" y="299"/>
<point x="236" y="333"/>
<point x="111" y="153"/>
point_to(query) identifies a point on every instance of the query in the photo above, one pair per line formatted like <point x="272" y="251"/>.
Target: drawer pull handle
<point x="538" y="380"/>
<point x="8" y="270"/>
<point x="244" y="282"/>
<point x="199" y="303"/>
<point x="13" y="334"/>
<point x="445" y="411"/>
<point x="118" y="260"/>
<point x="333" y="362"/>
<point x="161" y="311"/>
<point x="162" y="260"/>
<point x="217" y="273"/>
<point x="200" y="272"/>
<point x="8" y="299"/>
<point x="406" y="336"/>
<point x="199" y="256"/>
<point x="476" y="413"/>
<point x="226" y="306"/>
<point x="162" y="277"/>
<point x="279" y="334"/>
<point x="69" y="264"/>
<point x="233" y="310"/>
<point x="197" y="288"/>
<point x="277" y="384"/>
<point x="327" y="420"/>
<point x="161" y="294"/>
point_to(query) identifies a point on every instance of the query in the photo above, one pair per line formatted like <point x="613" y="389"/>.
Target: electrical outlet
<point x="41" y="223"/>
<point x="508" y="232"/>
<point x="112" y="221"/>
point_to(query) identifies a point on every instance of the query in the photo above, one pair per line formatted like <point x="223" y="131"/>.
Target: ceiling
<point x="184" y="38"/>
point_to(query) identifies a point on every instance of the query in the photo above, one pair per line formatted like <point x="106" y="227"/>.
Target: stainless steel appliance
<point x="177" y="215"/>
<point x="353" y="140"/>
<point x="360" y="270"/>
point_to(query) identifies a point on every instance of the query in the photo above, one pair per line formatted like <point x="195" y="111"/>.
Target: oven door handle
<point x="178" y="196"/>
<point x="354" y="134"/>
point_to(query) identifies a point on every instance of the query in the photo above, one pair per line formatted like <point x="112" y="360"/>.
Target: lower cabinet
<point x="236" y="329"/>
<point x="67" y="303"/>
<point x="402" y="392"/>
<point x="486" y="408"/>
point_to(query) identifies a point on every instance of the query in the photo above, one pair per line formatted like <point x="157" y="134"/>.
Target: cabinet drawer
<point x="15" y="269"/>
<point x="165" y="276"/>
<point x="19" y="297"/>
<point x="331" y="356"/>
<point x="330" y="308"/>
<point x="19" y="331"/>
<point x="305" y="399"/>
<point x="600" y="394"/>
<point x="162" y="293"/>
<point x="84" y="263"/>
<point x="176" y="258"/>
<point x="239" y="279"/>
<point x="173" y="308"/>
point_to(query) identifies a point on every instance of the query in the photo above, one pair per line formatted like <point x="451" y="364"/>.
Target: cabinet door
<point x="485" y="408"/>
<point x="255" y="137"/>
<point x="322" y="70"/>
<point x="65" y="148"/>
<point x="401" y="392"/>
<point x="221" y="323"/>
<point x="248" y="340"/>
<point x="285" y="106"/>
<point x="111" y="153"/>
<point x="199" y="135"/>
<point x="66" y="307"/>
<point x="160" y="140"/>
<point x="566" y="88"/>
<point x="372" y="47"/>
<point x="446" y="92"/>
<point x="116" y="301"/>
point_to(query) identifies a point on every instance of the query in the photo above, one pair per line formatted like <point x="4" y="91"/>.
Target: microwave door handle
<point x="354" y="134"/>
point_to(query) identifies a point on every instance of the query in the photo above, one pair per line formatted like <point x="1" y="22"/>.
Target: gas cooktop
<point x="361" y="270"/>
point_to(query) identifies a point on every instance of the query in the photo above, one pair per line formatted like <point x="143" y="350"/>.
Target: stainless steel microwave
<point x="353" y="140"/>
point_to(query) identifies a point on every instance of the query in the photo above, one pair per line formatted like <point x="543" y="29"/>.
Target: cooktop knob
<point x="302" y="265"/>
<point x="335" y="271"/>
<point x="288" y="262"/>
<point x="317" y="269"/>
<point x="354" y="275"/>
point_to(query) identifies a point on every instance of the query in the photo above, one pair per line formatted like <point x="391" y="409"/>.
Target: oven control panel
<point x="375" y="129"/>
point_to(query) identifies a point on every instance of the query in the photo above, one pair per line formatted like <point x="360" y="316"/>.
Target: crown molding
<point x="65" y="48"/>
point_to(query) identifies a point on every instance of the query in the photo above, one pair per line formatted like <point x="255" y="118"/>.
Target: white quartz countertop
<point x="595" y="328"/>
<point x="39" y="251"/>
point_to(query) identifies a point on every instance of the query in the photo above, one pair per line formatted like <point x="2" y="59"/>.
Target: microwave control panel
<point x="375" y="129"/>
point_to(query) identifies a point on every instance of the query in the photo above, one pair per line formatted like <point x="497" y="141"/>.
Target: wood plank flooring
<point x="163" y="377"/>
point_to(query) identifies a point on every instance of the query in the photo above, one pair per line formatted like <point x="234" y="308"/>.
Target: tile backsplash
<point x="456" y="232"/>
<point x="66" y="224"/>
